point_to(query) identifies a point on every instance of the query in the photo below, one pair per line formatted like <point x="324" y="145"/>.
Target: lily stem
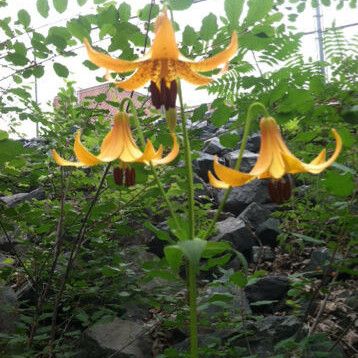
<point x="130" y="105"/>
<point x="245" y="137"/>
<point x="193" y="311"/>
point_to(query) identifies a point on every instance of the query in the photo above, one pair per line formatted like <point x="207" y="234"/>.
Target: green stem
<point x="130" y="106"/>
<point x="249" y="117"/>
<point x="188" y="167"/>
<point x="193" y="314"/>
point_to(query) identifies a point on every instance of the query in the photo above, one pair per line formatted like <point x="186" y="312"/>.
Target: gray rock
<point x="253" y="143"/>
<point x="262" y="253"/>
<point x="214" y="147"/>
<point x="8" y="309"/>
<point x="230" y="299"/>
<point x="241" y="197"/>
<point x="204" y="194"/>
<point x="237" y="232"/>
<point x="248" y="160"/>
<point x="203" y="164"/>
<point x="268" y="231"/>
<point x="254" y="215"/>
<point x="319" y="260"/>
<point x="269" y="288"/>
<point x="120" y="338"/>
<point x="13" y="200"/>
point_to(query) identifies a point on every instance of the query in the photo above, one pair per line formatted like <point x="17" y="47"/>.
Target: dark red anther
<point x="155" y="93"/>
<point x="129" y="177"/>
<point x="280" y="190"/>
<point x="118" y="175"/>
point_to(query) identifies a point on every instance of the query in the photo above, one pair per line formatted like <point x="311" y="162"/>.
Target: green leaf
<point x="174" y="256"/>
<point x="3" y="135"/>
<point x="199" y="113"/>
<point x="24" y="18"/>
<point x="144" y="13"/>
<point x="229" y="140"/>
<point x="233" y="10"/>
<point x="326" y="2"/>
<point x="60" y="5"/>
<point x="339" y="184"/>
<point x="180" y="4"/>
<point x="79" y="28"/>
<point x="81" y="2"/>
<point x="258" y="9"/>
<point x="38" y="71"/>
<point x="215" y="248"/>
<point x="209" y="27"/>
<point x="61" y="70"/>
<point x="9" y="150"/>
<point x="17" y="59"/>
<point x="43" y="8"/>
<point x="193" y="249"/>
<point x="189" y="36"/>
<point x="221" y="115"/>
<point x="309" y="239"/>
<point x="347" y="137"/>
<point x="124" y="11"/>
<point x="239" y="279"/>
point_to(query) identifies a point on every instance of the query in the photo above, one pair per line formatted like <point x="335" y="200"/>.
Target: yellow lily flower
<point x="162" y="65"/>
<point x="275" y="159"/>
<point x="118" y="144"/>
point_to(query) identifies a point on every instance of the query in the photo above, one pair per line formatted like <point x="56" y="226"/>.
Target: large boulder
<point x="119" y="338"/>
<point x="241" y="197"/>
<point x="237" y="232"/>
<point x="253" y="143"/>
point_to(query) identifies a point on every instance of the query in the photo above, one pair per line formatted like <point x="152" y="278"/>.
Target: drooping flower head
<point x="274" y="161"/>
<point x="118" y="144"/>
<point x="162" y="65"/>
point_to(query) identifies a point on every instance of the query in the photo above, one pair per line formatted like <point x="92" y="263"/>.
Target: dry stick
<point x="76" y="246"/>
<point x="315" y="293"/>
<point x="343" y="333"/>
<point x="58" y="246"/>
<point x="323" y="305"/>
<point x="16" y="254"/>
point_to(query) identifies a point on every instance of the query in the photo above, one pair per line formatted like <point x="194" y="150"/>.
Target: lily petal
<point x="172" y="154"/>
<point x="82" y="154"/>
<point x="186" y="73"/>
<point x="138" y="79"/>
<point x="218" y="59"/>
<point x="217" y="183"/>
<point x="63" y="162"/>
<point x="318" y="168"/>
<point x="112" y="145"/>
<point x="321" y="157"/>
<point x="108" y="62"/>
<point x="231" y="176"/>
<point x="164" y="45"/>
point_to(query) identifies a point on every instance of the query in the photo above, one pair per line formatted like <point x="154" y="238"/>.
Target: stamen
<point x="280" y="190"/>
<point x="118" y="175"/>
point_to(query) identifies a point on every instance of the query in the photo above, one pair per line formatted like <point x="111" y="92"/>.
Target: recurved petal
<point x="318" y="168"/>
<point x="171" y="156"/>
<point x="83" y="155"/>
<point x="148" y="154"/>
<point x="186" y="73"/>
<point x="63" y="162"/>
<point x="138" y="79"/>
<point x="108" y="62"/>
<point x="230" y="176"/>
<point x="216" y="183"/>
<point x="218" y="59"/>
<point x="321" y="157"/>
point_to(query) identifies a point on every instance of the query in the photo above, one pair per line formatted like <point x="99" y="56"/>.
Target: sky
<point x="49" y="84"/>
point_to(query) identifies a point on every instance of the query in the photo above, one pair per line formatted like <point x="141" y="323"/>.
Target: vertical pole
<point x="319" y="30"/>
